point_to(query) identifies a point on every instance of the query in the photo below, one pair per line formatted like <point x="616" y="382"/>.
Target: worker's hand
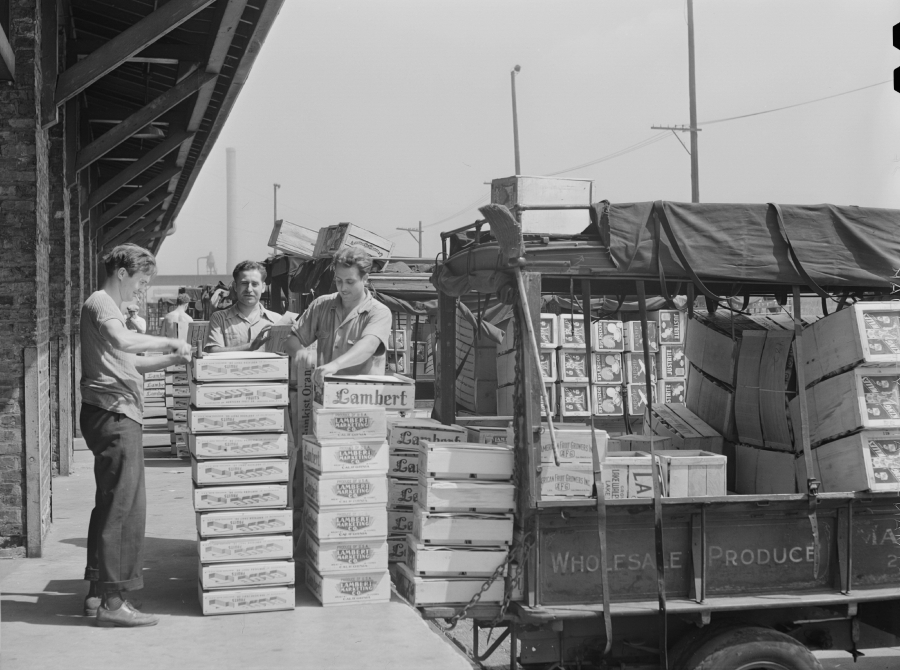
<point x="183" y="357"/>
<point x="261" y="339"/>
<point x="323" y="371"/>
<point x="180" y="347"/>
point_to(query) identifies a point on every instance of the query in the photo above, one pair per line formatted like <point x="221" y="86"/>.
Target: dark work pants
<point x="115" y="543"/>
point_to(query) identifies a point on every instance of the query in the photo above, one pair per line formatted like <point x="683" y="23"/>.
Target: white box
<point x="346" y="556"/>
<point x="340" y="523"/>
<point x="232" y="471"/>
<point x="258" y="420"/>
<point x="154" y="393"/>
<point x="238" y="446"/>
<point x="444" y="460"/>
<point x="607" y="336"/>
<point x="240" y="367"/>
<point x="155" y="374"/>
<point x="485" y="435"/>
<point x="342" y="489"/>
<point x="445" y="528"/>
<point x="177" y="403"/>
<point x="407" y="433"/>
<point x="173" y="391"/>
<point x="627" y="474"/>
<point x="239" y="395"/>
<point x="637" y="398"/>
<point x="254" y="574"/>
<point x="256" y="548"/>
<point x="524" y="191"/>
<point x="432" y="561"/>
<point x="672" y="326"/>
<point x="573" y="366"/>
<point x="250" y="522"/>
<point x="672" y="363"/>
<point x="672" y="391"/>
<point x="154" y="384"/>
<point x="439" y="590"/>
<point x="635" y="370"/>
<point x="549" y="331"/>
<point x="402" y="493"/>
<point x="397" y="546"/>
<point x="177" y="415"/>
<point x="333" y="456"/>
<point x="607" y="368"/>
<point x="240" y="497"/>
<point x="574" y="444"/>
<point x="607" y="400"/>
<point x="393" y="393"/>
<point x="349" y="588"/>
<point x="572" y="480"/>
<point x="574" y="400"/>
<point x="633" y="340"/>
<point x="178" y="379"/>
<point x="571" y="331"/>
<point x="353" y="424"/>
<point x="403" y="464"/>
<point x="442" y="495"/>
<point x="237" y="601"/>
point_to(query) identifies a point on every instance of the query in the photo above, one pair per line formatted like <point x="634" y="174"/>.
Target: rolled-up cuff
<point x="128" y="585"/>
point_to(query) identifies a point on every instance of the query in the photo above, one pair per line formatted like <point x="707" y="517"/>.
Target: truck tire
<point x="751" y="648"/>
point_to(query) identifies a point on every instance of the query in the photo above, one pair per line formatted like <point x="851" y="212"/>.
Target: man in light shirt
<point x="135" y="321"/>
<point x="243" y="326"/>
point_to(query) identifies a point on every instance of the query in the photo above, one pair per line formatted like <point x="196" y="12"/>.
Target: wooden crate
<point x="867" y="333"/>
<point x="636" y="398"/>
<point x="343" y="557"/>
<point x="672" y="363"/>
<point x="484" y="434"/>
<point x="574" y="400"/>
<point x="747" y="411"/>
<point x="345" y="489"/>
<point x="395" y="393"/>
<point x="348" y="235"/>
<point x="646" y="443"/>
<point x="350" y="588"/>
<point x="466" y="460"/>
<point x="763" y="472"/>
<point x="848" y="402"/>
<point x="293" y="239"/>
<point x="672" y="326"/>
<point x="607" y="400"/>
<point x="627" y="474"/>
<point x="672" y="390"/>
<point x="572" y="366"/>
<point x="690" y="472"/>
<point x="522" y="191"/>
<point x="607" y="368"/>
<point x="634" y="340"/>
<point x="420" y="591"/>
<point x="442" y="495"/>
<point x="549" y="332"/>
<point x="572" y="480"/>
<point x="573" y="443"/>
<point x="683" y="427"/>
<point x="432" y="561"/>
<point x="635" y="370"/>
<point x="442" y="528"/>
<point x="571" y="331"/>
<point x="710" y="351"/>
<point x="866" y="461"/>
<point x="565" y="221"/>
<point x="607" y="335"/>
<point x="711" y="401"/>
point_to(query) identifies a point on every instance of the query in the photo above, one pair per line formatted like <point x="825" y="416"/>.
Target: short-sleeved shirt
<point x="109" y="379"/>
<point x="321" y="323"/>
<point x="229" y="328"/>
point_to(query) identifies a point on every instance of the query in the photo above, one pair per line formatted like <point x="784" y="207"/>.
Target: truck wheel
<point x="751" y="648"/>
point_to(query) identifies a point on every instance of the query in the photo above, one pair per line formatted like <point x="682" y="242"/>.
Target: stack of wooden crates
<point x="238" y="423"/>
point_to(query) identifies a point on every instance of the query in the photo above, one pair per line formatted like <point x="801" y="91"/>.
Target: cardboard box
<point x="177" y="379"/>
<point x="240" y="497"/>
<point x="689" y="472"/>
<point x="607" y="400"/>
<point x="177" y="403"/>
<point x="342" y="523"/>
<point x="400" y="521"/>
<point x="154" y="393"/>
<point x="443" y="528"/>
<point x="627" y="474"/>
<point x="254" y="574"/>
<point x="672" y="326"/>
<point x="238" y="446"/>
<point x="672" y="391"/>
<point x="407" y="433"/>
<point x="440" y="590"/>
<point x="364" y="391"/>
<point x="154" y="384"/>
<point x="443" y="460"/>
<point x="672" y="361"/>
<point x="255" y="548"/>
<point x="607" y="336"/>
<point x="239" y="601"/>
<point x="633" y="339"/>
<point x="397" y="546"/>
<point x="549" y="331"/>
<point x="238" y="395"/>
<point x="155" y="374"/>
<point x="635" y="370"/>
<point x="343" y="456"/>
<point x="345" y="489"/>
<point x="427" y="560"/>
<point x="566" y="481"/>
<point x="637" y="398"/>
<point x="232" y="471"/>
<point x="354" y="424"/>
<point x="866" y="334"/>
<point x="571" y="331"/>
<point x="178" y="367"/>
<point x="402" y="493"/>
<point x="176" y="391"/>
<point x="685" y="429"/>
<point x="241" y="366"/>
<point x="574" y="400"/>
<point x="350" y="588"/>
<point x="861" y="398"/>
<point x="866" y="461"/>
<point x="763" y="472"/>
<point x="403" y="464"/>
<point x="486" y="434"/>
<point x="240" y="522"/>
<point x="293" y="239"/>
<point x="346" y="556"/>
<point x="607" y="368"/>
<point x="258" y="420"/>
<point x="442" y="495"/>
<point x="573" y="366"/>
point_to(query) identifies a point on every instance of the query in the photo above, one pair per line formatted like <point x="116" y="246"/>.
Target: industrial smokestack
<point x="232" y="255"/>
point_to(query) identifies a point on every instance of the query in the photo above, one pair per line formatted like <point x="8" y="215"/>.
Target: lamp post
<point x="275" y="188"/>
<point x="512" y="78"/>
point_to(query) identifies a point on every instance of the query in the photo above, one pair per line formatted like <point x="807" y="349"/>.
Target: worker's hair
<point x="183" y="299"/>
<point x="245" y="266"/>
<point x="131" y="257"/>
<point x="351" y="257"/>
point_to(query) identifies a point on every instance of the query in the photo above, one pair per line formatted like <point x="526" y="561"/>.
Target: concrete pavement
<point x="42" y="626"/>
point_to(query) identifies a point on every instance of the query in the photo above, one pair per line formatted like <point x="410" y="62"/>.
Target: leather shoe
<point x="92" y="604"/>
<point x="124" y="617"/>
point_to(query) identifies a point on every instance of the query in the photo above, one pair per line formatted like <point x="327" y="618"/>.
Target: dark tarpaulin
<point x="835" y="245"/>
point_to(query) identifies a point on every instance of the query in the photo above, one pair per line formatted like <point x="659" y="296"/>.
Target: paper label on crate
<point x="881" y="396"/>
<point x="402" y="493"/>
<point x="561" y="481"/>
<point x="404" y="464"/>
<point x="571" y="330"/>
<point x="345" y="456"/>
<point x="636" y="370"/>
<point x="634" y="340"/>
<point x="237" y="471"/>
<point x="607" y="336"/>
<point x="341" y="490"/>
<point x="239" y="446"/>
<point x="574" y="400"/>
<point x="347" y="556"/>
<point x="882" y="331"/>
<point x="607" y="368"/>
<point x="671" y="326"/>
<point x="672" y="391"/>
<point x="211" y="524"/>
<point x="573" y="365"/>
<point x="614" y="479"/>
<point x="345" y="392"/>
<point x="362" y="423"/>
<point x="608" y="401"/>
<point x="408" y="433"/>
<point x="349" y="522"/>
<point x="674" y="363"/>
<point x="400" y="521"/>
<point x="246" y="548"/>
<point x="487" y="434"/>
<point x="240" y="497"/>
<point x="242" y="366"/>
<point x="637" y="398"/>
<point x="574" y="446"/>
<point x="239" y="395"/>
<point x="884" y="453"/>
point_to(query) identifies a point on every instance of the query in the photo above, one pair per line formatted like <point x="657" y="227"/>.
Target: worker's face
<point x="130" y="287"/>
<point x="249" y="287"/>
<point x="350" y="284"/>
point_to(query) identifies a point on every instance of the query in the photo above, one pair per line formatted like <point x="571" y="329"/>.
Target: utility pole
<point x="512" y="78"/>
<point x="417" y="238"/>
<point x="275" y="188"/>
<point x="692" y="92"/>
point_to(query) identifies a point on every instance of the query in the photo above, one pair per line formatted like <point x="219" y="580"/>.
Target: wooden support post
<point x="526" y="399"/>
<point x="35" y="421"/>
<point x="64" y="424"/>
<point x="125" y="45"/>
<point x="445" y="364"/>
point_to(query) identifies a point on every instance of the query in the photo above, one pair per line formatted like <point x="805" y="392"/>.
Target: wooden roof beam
<point x="140" y="235"/>
<point x="120" y="229"/>
<point x="141" y="193"/>
<point x="158" y="52"/>
<point x="137" y="168"/>
<point x="125" y="45"/>
<point x="141" y="118"/>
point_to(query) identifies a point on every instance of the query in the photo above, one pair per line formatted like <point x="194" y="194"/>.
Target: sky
<point x="392" y="112"/>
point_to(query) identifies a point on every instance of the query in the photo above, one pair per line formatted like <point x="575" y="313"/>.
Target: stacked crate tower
<point x="154" y="401"/>
<point x="238" y="423"/>
<point x="463" y="525"/>
<point x="346" y="488"/>
<point x="177" y="401"/>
